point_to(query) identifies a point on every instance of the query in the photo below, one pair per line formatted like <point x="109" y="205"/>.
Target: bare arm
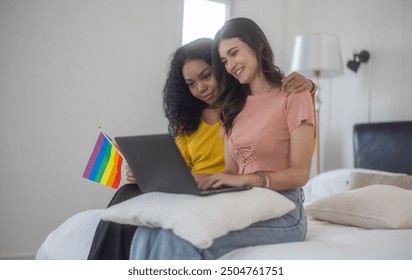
<point x="230" y="176"/>
<point x="301" y="145"/>
<point x="231" y="166"/>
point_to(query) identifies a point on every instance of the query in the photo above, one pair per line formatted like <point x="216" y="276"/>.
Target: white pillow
<point x="371" y="207"/>
<point x="332" y="182"/>
<point x="200" y="220"/>
<point x="359" y="180"/>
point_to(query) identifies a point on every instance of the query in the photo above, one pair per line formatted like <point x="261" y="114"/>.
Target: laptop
<point x="158" y="165"/>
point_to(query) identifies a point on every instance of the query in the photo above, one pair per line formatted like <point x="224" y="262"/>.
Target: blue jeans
<point x="163" y="244"/>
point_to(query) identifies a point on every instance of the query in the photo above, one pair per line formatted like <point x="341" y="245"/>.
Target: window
<point x="203" y="18"/>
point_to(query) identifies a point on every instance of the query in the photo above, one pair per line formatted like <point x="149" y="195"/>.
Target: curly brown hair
<point x="181" y="108"/>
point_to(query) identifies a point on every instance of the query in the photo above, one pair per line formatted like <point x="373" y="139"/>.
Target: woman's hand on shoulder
<point x="294" y="83"/>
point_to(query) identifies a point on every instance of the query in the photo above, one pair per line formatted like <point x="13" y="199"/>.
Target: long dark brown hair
<point x="233" y="92"/>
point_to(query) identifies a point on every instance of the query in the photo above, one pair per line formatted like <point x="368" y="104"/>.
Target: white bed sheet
<point x="327" y="241"/>
<point x="72" y="239"/>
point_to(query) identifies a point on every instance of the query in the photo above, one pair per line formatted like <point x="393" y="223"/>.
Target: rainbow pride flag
<point x="105" y="163"/>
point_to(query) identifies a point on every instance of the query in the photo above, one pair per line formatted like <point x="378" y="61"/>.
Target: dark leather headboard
<point x="384" y="146"/>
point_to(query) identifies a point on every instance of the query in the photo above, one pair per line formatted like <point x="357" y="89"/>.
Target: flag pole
<point x="114" y="144"/>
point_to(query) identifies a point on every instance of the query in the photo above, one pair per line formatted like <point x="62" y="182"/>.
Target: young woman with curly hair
<point x="268" y="143"/>
<point x="191" y="102"/>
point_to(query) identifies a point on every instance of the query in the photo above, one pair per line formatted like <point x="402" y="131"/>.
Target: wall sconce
<point x="358" y="58"/>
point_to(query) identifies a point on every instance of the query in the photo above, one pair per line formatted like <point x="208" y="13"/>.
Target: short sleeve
<point x="299" y="108"/>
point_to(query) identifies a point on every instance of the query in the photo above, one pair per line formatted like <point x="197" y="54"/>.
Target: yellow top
<point x="203" y="150"/>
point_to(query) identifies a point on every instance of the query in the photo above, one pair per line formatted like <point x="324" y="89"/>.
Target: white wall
<point x="65" y="68"/>
<point x="68" y="66"/>
<point x="379" y="91"/>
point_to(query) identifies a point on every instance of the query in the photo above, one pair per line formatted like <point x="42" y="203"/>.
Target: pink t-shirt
<point x="260" y="137"/>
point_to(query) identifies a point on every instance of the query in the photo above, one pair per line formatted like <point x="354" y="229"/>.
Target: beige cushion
<point x="371" y="207"/>
<point x="360" y="180"/>
<point x="200" y="220"/>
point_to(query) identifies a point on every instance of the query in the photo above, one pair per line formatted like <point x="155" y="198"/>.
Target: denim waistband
<point x="296" y="195"/>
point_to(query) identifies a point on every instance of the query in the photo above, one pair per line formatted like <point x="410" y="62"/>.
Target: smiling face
<point x="202" y="83"/>
<point x="239" y="60"/>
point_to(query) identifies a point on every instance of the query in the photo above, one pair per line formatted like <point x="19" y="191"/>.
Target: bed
<point x="363" y="212"/>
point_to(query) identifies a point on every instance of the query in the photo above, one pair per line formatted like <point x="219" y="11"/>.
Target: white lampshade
<point x="317" y="52"/>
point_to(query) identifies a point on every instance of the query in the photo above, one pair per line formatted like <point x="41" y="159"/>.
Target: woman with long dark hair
<point x="191" y="102"/>
<point x="268" y="140"/>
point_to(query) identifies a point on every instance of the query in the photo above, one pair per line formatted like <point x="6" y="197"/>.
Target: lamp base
<point x="317" y="104"/>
